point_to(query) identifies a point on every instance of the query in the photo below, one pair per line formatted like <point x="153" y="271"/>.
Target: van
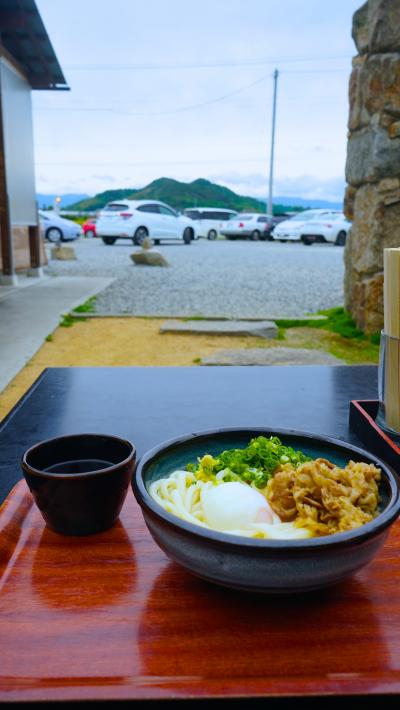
<point x="209" y="220"/>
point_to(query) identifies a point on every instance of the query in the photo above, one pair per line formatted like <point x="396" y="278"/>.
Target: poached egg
<point x="235" y="506"/>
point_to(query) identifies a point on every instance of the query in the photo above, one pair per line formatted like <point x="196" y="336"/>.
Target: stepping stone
<point x="271" y="356"/>
<point x="63" y="253"/>
<point x="149" y="257"/>
<point x="260" y="329"/>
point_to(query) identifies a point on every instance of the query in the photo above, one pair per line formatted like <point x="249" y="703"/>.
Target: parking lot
<point x="231" y="279"/>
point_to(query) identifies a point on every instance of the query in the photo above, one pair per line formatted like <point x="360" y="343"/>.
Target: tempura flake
<point x="324" y="498"/>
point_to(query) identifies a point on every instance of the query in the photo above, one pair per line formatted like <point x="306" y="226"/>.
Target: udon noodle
<point x="182" y="494"/>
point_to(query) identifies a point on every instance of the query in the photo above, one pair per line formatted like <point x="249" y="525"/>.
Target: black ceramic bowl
<point x="79" y="482"/>
<point x="269" y="566"/>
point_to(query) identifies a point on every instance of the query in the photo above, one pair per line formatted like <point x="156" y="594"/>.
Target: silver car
<point x="250" y="225"/>
<point x="58" y="229"/>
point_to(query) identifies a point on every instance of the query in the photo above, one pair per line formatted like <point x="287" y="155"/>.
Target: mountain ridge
<point x="181" y="195"/>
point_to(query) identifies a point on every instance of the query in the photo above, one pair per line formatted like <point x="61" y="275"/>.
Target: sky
<point x="184" y="89"/>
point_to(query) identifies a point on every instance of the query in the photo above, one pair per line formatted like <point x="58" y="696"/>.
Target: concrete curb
<point x="186" y="318"/>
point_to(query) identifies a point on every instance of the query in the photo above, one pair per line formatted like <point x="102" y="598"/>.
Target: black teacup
<point x="79" y="482"/>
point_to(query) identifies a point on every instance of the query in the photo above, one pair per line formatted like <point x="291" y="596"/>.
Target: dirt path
<point x="113" y="342"/>
<point x="117" y="342"/>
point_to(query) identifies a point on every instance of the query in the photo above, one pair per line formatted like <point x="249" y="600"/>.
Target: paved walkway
<point x="32" y="310"/>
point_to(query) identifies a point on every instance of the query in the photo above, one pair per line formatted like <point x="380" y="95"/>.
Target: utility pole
<point x="271" y="164"/>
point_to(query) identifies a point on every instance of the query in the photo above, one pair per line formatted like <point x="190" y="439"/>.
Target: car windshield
<point x="337" y="215"/>
<point x="193" y="214"/>
<point x="328" y="216"/>
<point x="115" y="207"/>
<point x="305" y="216"/>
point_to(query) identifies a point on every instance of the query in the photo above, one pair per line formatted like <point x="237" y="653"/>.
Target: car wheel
<point x="187" y="235"/>
<point x="341" y="239"/>
<point x="109" y="240"/>
<point x="54" y="235"/>
<point x="255" y="235"/>
<point x="307" y="241"/>
<point x="140" y="235"/>
<point x="212" y="234"/>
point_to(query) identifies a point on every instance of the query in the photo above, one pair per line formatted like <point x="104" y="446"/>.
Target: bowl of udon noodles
<point x="269" y="511"/>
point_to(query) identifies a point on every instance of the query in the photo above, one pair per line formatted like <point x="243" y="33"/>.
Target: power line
<point x="204" y="65"/>
<point x="171" y="112"/>
<point x="155" y="162"/>
<point x="163" y="113"/>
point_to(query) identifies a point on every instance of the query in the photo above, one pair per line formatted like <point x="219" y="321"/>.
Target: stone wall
<point x="21" y="249"/>
<point x="372" y="200"/>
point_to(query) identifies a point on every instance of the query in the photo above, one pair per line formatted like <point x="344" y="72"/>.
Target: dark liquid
<point x="80" y="466"/>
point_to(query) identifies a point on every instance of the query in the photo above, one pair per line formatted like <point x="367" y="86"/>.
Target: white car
<point x="251" y="225"/>
<point x="58" y="229"/>
<point x="332" y="229"/>
<point x="209" y="220"/>
<point x="292" y="229"/>
<point x="137" y="219"/>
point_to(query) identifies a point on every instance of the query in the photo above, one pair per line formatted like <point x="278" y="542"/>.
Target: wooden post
<point x="7" y="255"/>
<point x="34" y="248"/>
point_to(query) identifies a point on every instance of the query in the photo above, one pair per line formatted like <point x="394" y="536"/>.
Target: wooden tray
<point x="109" y="617"/>
<point x="362" y="420"/>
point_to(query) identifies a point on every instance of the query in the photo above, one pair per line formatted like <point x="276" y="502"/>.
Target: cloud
<point x="311" y="187"/>
<point x="306" y="186"/>
<point x="42" y="179"/>
<point x="103" y="178"/>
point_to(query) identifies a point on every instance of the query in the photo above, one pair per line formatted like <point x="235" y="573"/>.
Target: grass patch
<point x="87" y="307"/>
<point x="68" y="320"/>
<point x="356" y="352"/>
<point x="353" y="351"/>
<point x="337" y="334"/>
<point x="336" y="320"/>
<point x="49" y="338"/>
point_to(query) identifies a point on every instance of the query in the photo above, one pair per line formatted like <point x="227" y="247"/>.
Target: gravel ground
<point x="222" y="278"/>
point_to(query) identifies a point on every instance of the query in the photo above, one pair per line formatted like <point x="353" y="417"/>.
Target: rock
<point x="389" y="184"/>
<point x="348" y="205"/>
<point x="259" y="329"/>
<point x="367" y="303"/>
<point x="383" y="26"/>
<point x="372" y="155"/>
<point x="394" y="129"/>
<point x="147" y="243"/>
<point x="360" y="28"/>
<point x="149" y="257"/>
<point x="376" y="226"/>
<point x="379" y="79"/>
<point x="358" y="116"/>
<point x="364" y="246"/>
<point x="63" y="253"/>
<point x="271" y="356"/>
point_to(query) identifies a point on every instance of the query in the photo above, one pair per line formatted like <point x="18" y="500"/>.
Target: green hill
<point x="199" y="193"/>
<point x="98" y="201"/>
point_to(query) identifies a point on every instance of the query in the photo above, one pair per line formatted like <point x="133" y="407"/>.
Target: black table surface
<point x="149" y="405"/>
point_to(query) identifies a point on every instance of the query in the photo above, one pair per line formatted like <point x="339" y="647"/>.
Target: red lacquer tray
<point x="109" y="617"/>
